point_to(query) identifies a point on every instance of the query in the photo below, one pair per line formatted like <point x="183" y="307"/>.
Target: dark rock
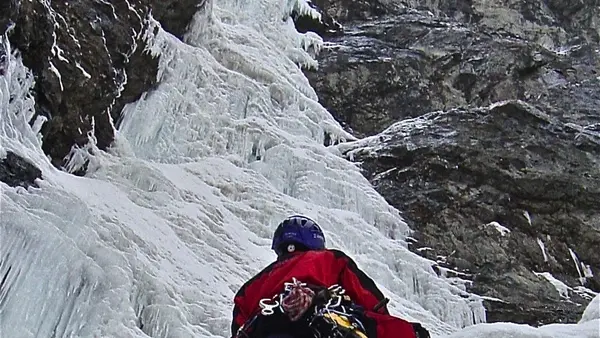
<point x="17" y="171"/>
<point x="175" y="15"/>
<point x="454" y="173"/>
<point x="452" y="167"/>
<point x="89" y="60"/>
<point x="349" y="10"/>
<point x="323" y="26"/>
<point x="409" y="62"/>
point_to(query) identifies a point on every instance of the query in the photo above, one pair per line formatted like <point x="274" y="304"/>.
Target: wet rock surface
<point x="492" y="148"/>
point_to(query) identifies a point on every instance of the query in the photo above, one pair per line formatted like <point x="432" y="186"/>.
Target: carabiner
<point x="338" y="302"/>
<point x="268" y="309"/>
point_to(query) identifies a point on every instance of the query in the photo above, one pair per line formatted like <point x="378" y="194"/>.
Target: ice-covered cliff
<point x="167" y="224"/>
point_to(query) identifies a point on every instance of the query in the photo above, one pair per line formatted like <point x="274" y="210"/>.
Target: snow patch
<point x="383" y="174"/>
<point x="587" y="270"/>
<point x="565" y="50"/>
<point x="501" y="229"/>
<point x="562" y="288"/>
<point x="584" y="292"/>
<point x="543" y="248"/>
<point x="57" y="51"/>
<point x="578" y="266"/>
<point x="493" y="299"/>
<point x="85" y="74"/>
<point x="398" y="130"/>
<point x="526" y="214"/>
<point x="499" y="104"/>
<point x="57" y="73"/>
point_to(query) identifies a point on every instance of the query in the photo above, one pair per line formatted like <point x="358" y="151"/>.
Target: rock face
<point x="408" y="62"/>
<point x="16" y="171"/>
<point x="497" y="193"/>
<point x="88" y="60"/>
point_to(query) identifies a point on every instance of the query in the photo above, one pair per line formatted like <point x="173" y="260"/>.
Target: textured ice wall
<point x="159" y="236"/>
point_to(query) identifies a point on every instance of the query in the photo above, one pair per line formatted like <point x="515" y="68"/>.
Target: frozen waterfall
<point x="164" y="229"/>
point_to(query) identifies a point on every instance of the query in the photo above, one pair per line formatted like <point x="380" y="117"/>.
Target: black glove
<point x="420" y="331"/>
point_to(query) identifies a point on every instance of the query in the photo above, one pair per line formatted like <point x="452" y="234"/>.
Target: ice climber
<point x="311" y="291"/>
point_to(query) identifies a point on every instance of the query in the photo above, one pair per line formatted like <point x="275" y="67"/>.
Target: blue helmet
<point x="298" y="230"/>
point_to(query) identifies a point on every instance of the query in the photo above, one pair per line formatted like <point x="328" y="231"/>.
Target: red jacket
<point x="322" y="268"/>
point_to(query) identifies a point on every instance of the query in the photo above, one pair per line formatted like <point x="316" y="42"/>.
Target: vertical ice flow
<point x="162" y="232"/>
